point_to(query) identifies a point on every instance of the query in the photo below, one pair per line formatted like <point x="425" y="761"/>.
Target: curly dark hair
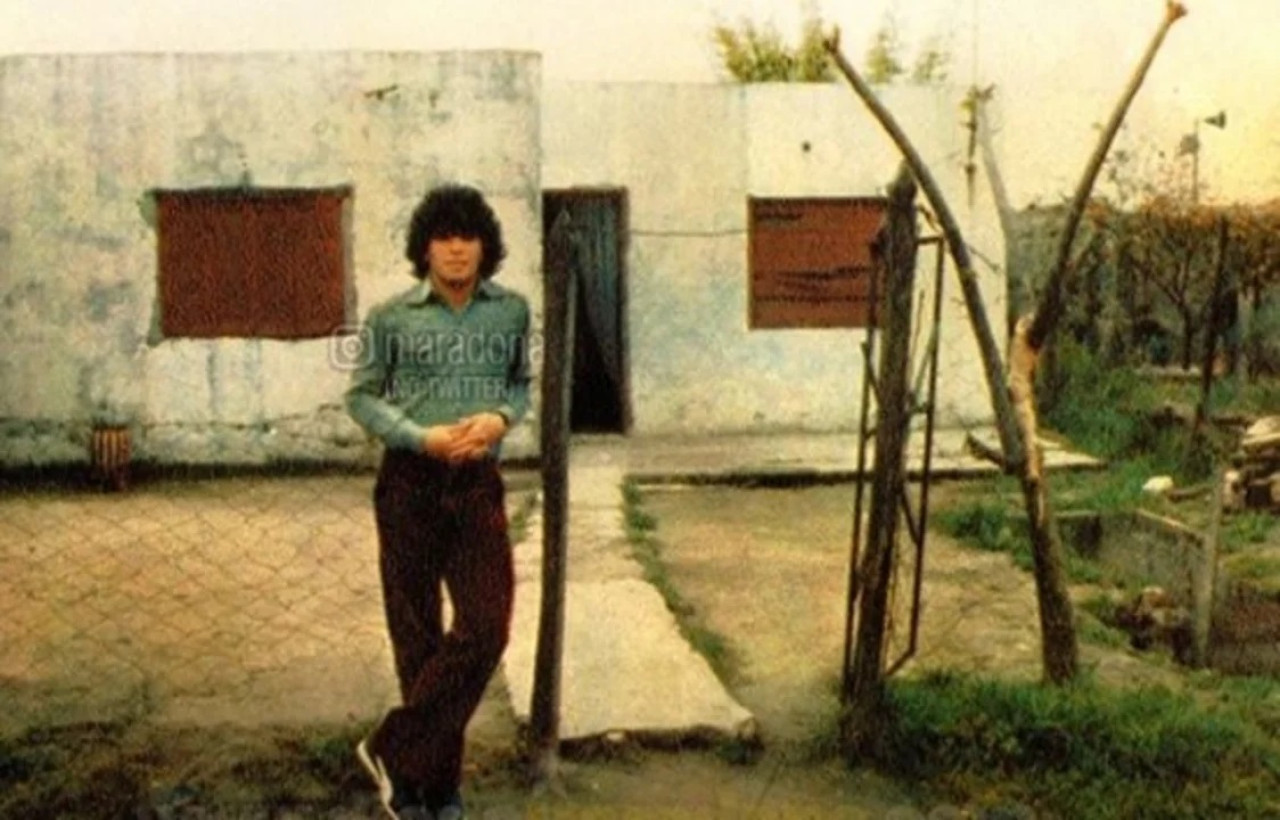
<point x="455" y="210"/>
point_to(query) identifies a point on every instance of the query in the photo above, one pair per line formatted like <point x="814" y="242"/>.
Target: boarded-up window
<point x="810" y="261"/>
<point x="269" y="263"/>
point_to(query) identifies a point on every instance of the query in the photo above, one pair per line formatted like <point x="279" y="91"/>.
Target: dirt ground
<point x="767" y="570"/>
<point x="764" y="568"/>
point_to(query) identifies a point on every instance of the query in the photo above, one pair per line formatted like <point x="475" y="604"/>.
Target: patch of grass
<point x="983" y="523"/>
<point x="993" y="525"/>
<point x="647" y="549"/>
<point x="1094" y="631"/>
<point x="1251" y="527"/>
<point x="1094" y="405"/>
<point x="1262" y="571"/>
<point x="78" y="770"/>
<point x="1254" y="696"/>
<point x="1080" y="751"/>
<point x="1095" y="615"/>
<point x="739" y="751"/>
<point x="1240" y="395"/>
<point x="1111" y="412"/>
<point x="1115" y="489"/>
<point x="822" y="739"/>
<point x="122" y="769"/>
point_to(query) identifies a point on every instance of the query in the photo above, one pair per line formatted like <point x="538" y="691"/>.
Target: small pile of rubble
<point x="1256" y="477"/>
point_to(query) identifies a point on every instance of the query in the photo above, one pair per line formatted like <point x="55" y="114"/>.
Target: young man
<point x="445" y="376"/>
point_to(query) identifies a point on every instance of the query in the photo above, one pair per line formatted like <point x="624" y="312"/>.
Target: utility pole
<point x="1191" y="145"/>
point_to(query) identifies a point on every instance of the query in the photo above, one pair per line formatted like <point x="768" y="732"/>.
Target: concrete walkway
<point x="626" y="667"/>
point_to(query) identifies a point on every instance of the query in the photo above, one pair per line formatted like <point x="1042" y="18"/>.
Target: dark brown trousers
<point x="440" y="525"/>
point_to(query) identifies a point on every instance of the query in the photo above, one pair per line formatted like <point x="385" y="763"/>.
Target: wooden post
<point x="559" y="296"/>
<point x="1205" y="579"/>
<point x="1213" y="323"/>
<point x="897" y="249"/>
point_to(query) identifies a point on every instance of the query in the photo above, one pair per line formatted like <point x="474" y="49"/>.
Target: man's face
<point x="455" y="260"/>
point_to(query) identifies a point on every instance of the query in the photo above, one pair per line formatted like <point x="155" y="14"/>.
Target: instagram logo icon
<point x="350" y="347"/>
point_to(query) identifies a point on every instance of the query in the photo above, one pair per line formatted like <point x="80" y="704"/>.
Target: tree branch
<point x="1050" y="307"/>
<point x="1010" y="441"/>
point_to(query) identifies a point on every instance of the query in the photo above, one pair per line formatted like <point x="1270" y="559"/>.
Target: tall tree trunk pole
<point x="1018" y="287"/>
<point x="1017" y="428"/>
<point x="897" y="252"/>
<point x="999" y="193"/>
<point x="558" y="296"/>
<point x="1031" y="334"/>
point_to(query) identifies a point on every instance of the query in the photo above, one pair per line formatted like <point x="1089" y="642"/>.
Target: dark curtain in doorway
<point x="598" y="350"/>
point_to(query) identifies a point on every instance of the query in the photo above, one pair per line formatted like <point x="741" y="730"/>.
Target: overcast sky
<point x="1222" y="56"/>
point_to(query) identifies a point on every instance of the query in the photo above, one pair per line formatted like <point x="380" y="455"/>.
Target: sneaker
<point x="452" y="809"/>
<point x="400" y="801"/>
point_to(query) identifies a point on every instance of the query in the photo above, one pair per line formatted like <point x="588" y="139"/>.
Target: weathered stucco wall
<point x="83" y="139"/>
<point x="689" y="157"/>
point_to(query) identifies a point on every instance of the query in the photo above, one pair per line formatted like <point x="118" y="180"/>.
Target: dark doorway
<point x="598" y="221"/>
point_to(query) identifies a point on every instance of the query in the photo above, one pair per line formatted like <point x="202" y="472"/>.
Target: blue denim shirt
<point x="423" y="363"/>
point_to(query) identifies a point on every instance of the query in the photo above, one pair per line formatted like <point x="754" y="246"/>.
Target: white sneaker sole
<point x="379" y="774"/>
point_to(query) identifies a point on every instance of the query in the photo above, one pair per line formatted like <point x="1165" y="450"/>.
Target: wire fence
<point x="237" y="599"/>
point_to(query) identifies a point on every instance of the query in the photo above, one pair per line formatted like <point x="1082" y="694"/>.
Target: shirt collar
<point x="423" y="294"/>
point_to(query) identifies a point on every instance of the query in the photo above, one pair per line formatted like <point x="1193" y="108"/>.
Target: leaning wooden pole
<point x="1010" y="443"/>
<point x="558" y="299"/>
<point x="1017" y="287"/>
<point x="896" y="247"/>
<point x="1031" y="334"/>
<point x="1050" y="307"/>
<point x="1015" y="406"/>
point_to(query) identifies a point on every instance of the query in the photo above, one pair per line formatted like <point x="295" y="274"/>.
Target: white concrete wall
<point x="84" y="138"/>
<point x="689" y="157"/>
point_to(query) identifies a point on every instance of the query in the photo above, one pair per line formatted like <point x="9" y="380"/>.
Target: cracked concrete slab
<point x="626" y="666"/>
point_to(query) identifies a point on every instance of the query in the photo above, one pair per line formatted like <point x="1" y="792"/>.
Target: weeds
<point x="1097" y="613"/>
<point x="1248" y="528"/>
<point x="1116" y="415"/>
<point x="647" y="550"/>
<point x="518" y="527"/>
<point x="993" y="525"/>
<point x="1081" y="751"/>
<point x="111" y="770"/>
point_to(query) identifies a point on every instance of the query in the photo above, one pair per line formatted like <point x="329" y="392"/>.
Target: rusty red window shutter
<point x="809" y="261"/>
<point x="260" y="263"/>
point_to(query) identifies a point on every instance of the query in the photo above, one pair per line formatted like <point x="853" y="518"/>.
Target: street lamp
<point x="1191" y="145"/>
